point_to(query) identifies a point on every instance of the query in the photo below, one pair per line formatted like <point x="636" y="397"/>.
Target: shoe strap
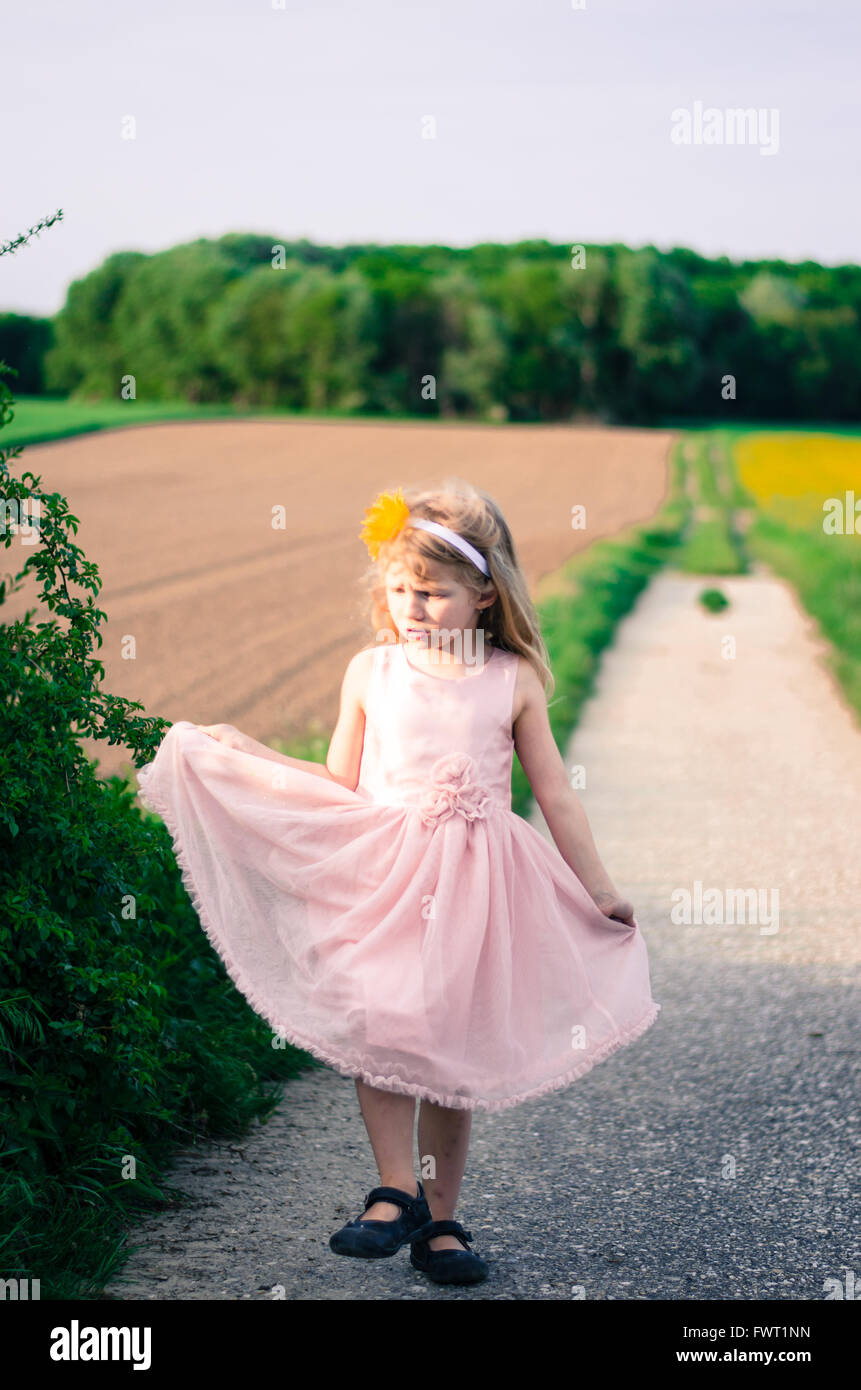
<point x="444" y="1228"/>
<point x="392" y="1194"/>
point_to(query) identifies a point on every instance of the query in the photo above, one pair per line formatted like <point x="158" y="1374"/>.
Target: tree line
<point x="524" y="332"/>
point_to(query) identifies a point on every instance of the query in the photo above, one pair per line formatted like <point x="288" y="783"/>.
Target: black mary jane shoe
<point x="372" y="1240"/>
<point x="447" y="1266"/>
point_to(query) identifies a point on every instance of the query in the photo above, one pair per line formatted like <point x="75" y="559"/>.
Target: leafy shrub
<point x="121" y="1034"/>
<point x="714" y="600"/>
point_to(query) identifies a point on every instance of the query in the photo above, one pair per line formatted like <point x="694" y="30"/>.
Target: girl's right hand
<point x="613" y="906"/>
<point x="226" y="734"/>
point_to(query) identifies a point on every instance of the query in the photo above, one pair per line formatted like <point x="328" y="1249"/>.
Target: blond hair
<point x="511" y="621"/>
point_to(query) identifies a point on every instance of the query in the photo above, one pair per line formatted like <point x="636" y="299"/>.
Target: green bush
<point x="714" y="600"/>
<point x="121" y="1035"/>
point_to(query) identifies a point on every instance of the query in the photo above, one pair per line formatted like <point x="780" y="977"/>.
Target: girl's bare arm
<point x="232" y="737"/>
<point x="560" y="804"/>
<point x="344" y="757"/>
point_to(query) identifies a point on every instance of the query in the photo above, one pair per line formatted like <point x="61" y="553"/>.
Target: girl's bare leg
<point x="443" y="1136"/>
<point x="389" y="1119"/>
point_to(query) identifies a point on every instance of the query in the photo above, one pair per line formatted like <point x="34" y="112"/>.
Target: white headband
<point x="468" y="550"/>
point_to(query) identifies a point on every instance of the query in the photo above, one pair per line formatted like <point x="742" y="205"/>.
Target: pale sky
<point x="295" y="118"/>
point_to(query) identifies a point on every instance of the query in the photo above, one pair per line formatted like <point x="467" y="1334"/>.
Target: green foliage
<point x="120" y="1032"/>
<point x="25" y="340"/>
<point x="709" y="551"/>
<point x="711" y="544"/>
<point x="542" y="337"/>
<point x="306" y="334"/>
<point x="39" y="419"/>
<point x="773" y="299"/>
<point x="713" y="600"/>
<point x="659" y="328"/>
<point x="508" y="332"/>
<point x="826" y="572"/>
<point x="86" y="358"/>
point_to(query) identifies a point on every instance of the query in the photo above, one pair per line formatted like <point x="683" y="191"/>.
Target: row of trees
<point x="523" y="332"/>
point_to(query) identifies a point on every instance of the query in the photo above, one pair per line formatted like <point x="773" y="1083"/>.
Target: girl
<point x="388" y="912"/>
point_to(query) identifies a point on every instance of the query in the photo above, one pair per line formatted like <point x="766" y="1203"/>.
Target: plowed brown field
<point x="238" y="622"/>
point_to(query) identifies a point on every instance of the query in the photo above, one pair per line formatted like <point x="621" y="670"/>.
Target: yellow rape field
<point x="792" y="475"/>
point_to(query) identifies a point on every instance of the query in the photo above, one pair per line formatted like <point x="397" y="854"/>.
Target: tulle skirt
<point x="461" y="962"/>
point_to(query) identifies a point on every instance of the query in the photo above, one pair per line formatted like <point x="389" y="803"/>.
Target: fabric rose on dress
<point x="453" y="790"/>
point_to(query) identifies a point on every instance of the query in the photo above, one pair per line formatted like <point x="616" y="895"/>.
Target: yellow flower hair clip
<point x="386" y="516"/>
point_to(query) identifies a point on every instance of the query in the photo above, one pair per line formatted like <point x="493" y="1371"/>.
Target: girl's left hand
<point x="613" y="906"/>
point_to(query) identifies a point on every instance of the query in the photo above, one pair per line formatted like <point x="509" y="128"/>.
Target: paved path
<point x="716" y="1157"/>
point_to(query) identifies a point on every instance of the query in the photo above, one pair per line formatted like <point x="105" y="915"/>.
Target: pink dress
<point x="414" y="932"/>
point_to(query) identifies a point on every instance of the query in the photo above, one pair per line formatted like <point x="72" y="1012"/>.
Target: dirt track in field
<point x="238" y="622"/>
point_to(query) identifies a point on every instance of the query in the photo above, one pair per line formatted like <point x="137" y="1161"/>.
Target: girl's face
<point x="418" y="606"/>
